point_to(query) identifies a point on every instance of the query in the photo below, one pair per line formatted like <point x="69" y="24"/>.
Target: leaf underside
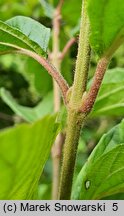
<point x="48" y="9"/>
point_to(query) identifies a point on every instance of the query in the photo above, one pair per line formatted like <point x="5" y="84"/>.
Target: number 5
<point x="115" y="207"/>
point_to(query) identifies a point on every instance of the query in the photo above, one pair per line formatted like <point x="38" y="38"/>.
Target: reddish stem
<point x="94" y="89"/>
<point x="51" y="70"/>
<point x="60" y="4"/>
<point x="67" y="47"/>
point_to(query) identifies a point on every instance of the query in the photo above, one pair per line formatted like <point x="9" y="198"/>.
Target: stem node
<point x="75" y="117"/>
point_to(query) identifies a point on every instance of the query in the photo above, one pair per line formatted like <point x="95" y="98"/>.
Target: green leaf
<point x="41" y="81"/>
<point x="119" y="196"/>
<point x="48" y="9"/>
<point x="24" y="150"/>
<point x="14" y="7"/>
<point x="23" y="32"/>
<point x="75" y="30"/>
<point x="71" y="7"/>
<point x="27" y="113"/>
<point x="107" y="24"/>
<point x="103" y="173"/>
<point x="110" y="100"/>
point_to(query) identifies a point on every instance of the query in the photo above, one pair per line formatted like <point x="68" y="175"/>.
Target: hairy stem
<point x="92" y="94"/>
<point x="83" y="59"/>
<point x="74" y="123"/>
<point x="63" y="85"/>
<point x="75" y="118"/>
<point x="51" y="70"/>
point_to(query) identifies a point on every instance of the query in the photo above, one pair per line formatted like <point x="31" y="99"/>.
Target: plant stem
<point x="83" y="59"/>
<point x="67" y="47"/>
<point x="75" y="117"/>
<point x="51" y="70"/>
<point x="74" y="122"/>
<point x="63" y="85"/>
<point x="56" y="159"/>
<point x="98" y="77"/>
<point x="55" y="56"/>
<point x="57" y="146"/>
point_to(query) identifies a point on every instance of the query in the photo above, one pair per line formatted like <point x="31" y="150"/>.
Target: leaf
<point x="23" y="32"/>
<point x="41" y="81"/>
<point x="74" y="31"/>
<point x="107" y="24"/>
<point x="15" y="7"/>
<point x="27" y="113"/>
<point x="110" y="100"/>
<point x="24" y="150"/>
<point x="48" y="9"/>
<point x="103" y="173"/>
<point x="71" y="7"/>
<point x="119" y="196"/>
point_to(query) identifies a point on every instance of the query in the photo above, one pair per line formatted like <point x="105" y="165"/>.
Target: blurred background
<point x="29" y="84"/>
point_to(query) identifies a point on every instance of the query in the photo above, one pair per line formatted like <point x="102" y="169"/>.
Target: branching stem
<point x="51" y="70"/>
<point x="75" y="117"/>
<point x="67" y="47"/>
<point x="78" y="105"/>
<point x="63" y="85"/>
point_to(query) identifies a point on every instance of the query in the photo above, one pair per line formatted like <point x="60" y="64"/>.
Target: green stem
<point x="75" y="117"/>
<point x="70" y="149"/>
<point x="83" y="59"/>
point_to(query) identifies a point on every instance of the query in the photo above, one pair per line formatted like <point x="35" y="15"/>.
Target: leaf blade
<point x="110" y="101"/>
<point x="14" y="35"/>
<point x="23" y="155"/>
<point x="104" y="169"/>
<point x="28" y="114"/>
<point x="107" y="25"/>
<point x="32" y="29"/>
